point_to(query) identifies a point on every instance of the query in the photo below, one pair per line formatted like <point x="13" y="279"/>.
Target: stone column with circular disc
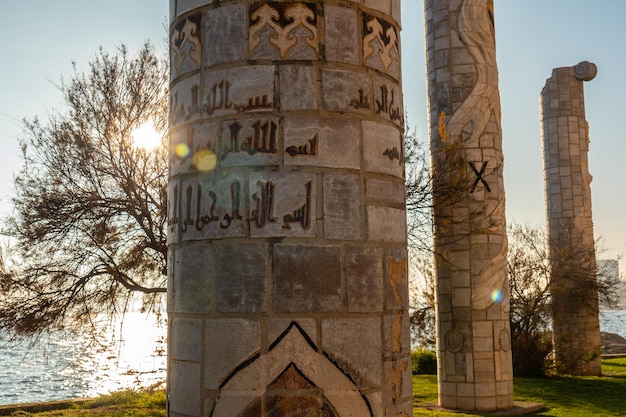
<point x="288" y="290"/>
<point x="472" y="297"/>
<point x="574" y="290"/>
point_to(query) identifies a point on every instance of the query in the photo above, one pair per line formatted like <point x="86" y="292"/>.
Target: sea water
<point x="127" y="355"/>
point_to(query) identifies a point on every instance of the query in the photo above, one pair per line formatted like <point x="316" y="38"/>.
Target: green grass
<point x="563" y="396"/>
<point x="149" y="403"/>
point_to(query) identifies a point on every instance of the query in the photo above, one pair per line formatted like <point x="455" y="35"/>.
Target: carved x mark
<point x="479" y="176"/>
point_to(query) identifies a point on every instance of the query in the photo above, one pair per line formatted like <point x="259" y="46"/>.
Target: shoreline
<point x="38" y="407"/>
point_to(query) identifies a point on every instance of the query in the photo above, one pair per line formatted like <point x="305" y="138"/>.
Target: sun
<point x="146" y="136"/>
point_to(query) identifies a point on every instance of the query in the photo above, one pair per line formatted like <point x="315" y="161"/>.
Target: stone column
<point x="288" y="287"/>
<point x="472" y="297"/>
<point x="565" y="139"/>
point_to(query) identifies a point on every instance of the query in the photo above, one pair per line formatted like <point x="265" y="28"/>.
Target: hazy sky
<point x="40" y="38"/>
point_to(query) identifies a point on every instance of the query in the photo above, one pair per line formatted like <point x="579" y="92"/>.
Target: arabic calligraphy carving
<point x="393" y="153"/>
<point x="262" y="139"/>
<point x="283" y="25"/>
<point x="184" y="101"/>
<point x="362" y="102"/>
<point x="386" y="104"/>
<point x="264" y="211"/>
<point x="309" y="148"/>
<point x="218" y="97"/>
<point x="301" y="215"/>
<point x="186" y="44"/>
<point x="380" y="42"/>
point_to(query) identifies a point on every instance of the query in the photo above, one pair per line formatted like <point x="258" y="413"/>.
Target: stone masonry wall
<point x="287" y="290"/>
<point x="565" y="141"/>
<point x="472" y="297"/>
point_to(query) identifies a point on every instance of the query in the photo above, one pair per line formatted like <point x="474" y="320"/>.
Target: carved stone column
<point x="288" y="284"/>
<point x="570" y="225"/>
<point x="472" y="300"/>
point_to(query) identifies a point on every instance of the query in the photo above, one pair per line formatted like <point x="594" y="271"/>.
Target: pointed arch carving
<point x="294" y="354"/>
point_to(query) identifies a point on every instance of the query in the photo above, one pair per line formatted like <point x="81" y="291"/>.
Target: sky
<point x="39" y="39"/>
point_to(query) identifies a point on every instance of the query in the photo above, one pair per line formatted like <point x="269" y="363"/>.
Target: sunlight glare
<point x="145" y="136"/>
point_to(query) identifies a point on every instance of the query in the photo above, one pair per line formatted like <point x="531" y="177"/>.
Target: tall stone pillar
<point x="287" y="289"/>
<point x="574" y="289"/>
<point x="472" y="297"/>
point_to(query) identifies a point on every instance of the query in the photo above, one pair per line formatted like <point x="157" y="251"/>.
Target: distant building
<point x="609" y="268"/>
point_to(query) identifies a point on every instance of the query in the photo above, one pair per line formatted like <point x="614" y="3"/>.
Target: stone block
<point x="386" y="224"/>
<point x="342" y="207"/>
<point x="328" y="143"/>
<point x="398" y="379"/>
<point x="190" y="280"/>
<point x="183" y="388"/>
<point x="211" y="207"/>
<point x="282" y="204"/>
<point x="228" y="344"/>
<point x="482" y="328"/>
<point x="186" y="46"/>
<point x="486" y="403"/>
<point x="300" y="89"/>
<point x="193" y="149"/>
<point x="241" y="90"/>
<point x="307" y="278"/>
<point x="364" y="279"/>
<point x="249" y="142"/>
<point x="342" y="43"/>
<point x="346" y="91"/>
<point x="396" y="280"/>
<point x="382" y="149"/>
<point x="185" y="101"/>
<point x="384" y="191"/>
<point x="240" y="271"/>
<point x="283" y="31"/>
<point x="397" y="335"/>
<point x="186" y="339"/>
<point x="388" y="102"/>
<point x="363" y="365"/>
<point x="225" y="34"/>
<point x="381" y="47"/>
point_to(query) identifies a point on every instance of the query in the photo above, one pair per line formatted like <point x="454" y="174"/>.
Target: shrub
<point x="423" y="361"/>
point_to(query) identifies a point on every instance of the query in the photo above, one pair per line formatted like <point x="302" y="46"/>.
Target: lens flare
<point x="204" y="160"/>
<point x="497" y="296"/>
<point x="181" y="150"/>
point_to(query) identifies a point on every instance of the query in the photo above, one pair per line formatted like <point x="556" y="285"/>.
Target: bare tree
<point x="88" y="224"/>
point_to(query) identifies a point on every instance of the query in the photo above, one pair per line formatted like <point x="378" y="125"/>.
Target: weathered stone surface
<point x="342" y="43"/>
<point x="227" y="344"/>
<point x="282" y="205"/>
<point x="382" y="149"/>
<point x="225" y="35"/>
<point x="364" y="279"/>
<point x="186" y="337"/>
<point x="342" y="207"/>
<point x="211" y="207"/>
<point x="327" y="143"/>
<point x="240" y="272"/>
<point x="390" y="192"/>
<point x="307" y="278"/>
<point x="189" y="288"/>
<point x="185" y="101"/>
<point x="339" y="338"/>
<point x="346" y="91"/>
<point x="464" y="102"/>
<point x="183" y="380"/>
<point x="569" y="220"/>
<point x="386" y="224"/>
<point x="302" y="93"/>
<point x="286" y="212"/>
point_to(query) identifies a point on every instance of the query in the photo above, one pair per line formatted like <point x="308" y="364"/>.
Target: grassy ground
<point x="564" y="397"/>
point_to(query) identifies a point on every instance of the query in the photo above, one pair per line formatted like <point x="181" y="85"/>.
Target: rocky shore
<point x="613" y="345"/>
